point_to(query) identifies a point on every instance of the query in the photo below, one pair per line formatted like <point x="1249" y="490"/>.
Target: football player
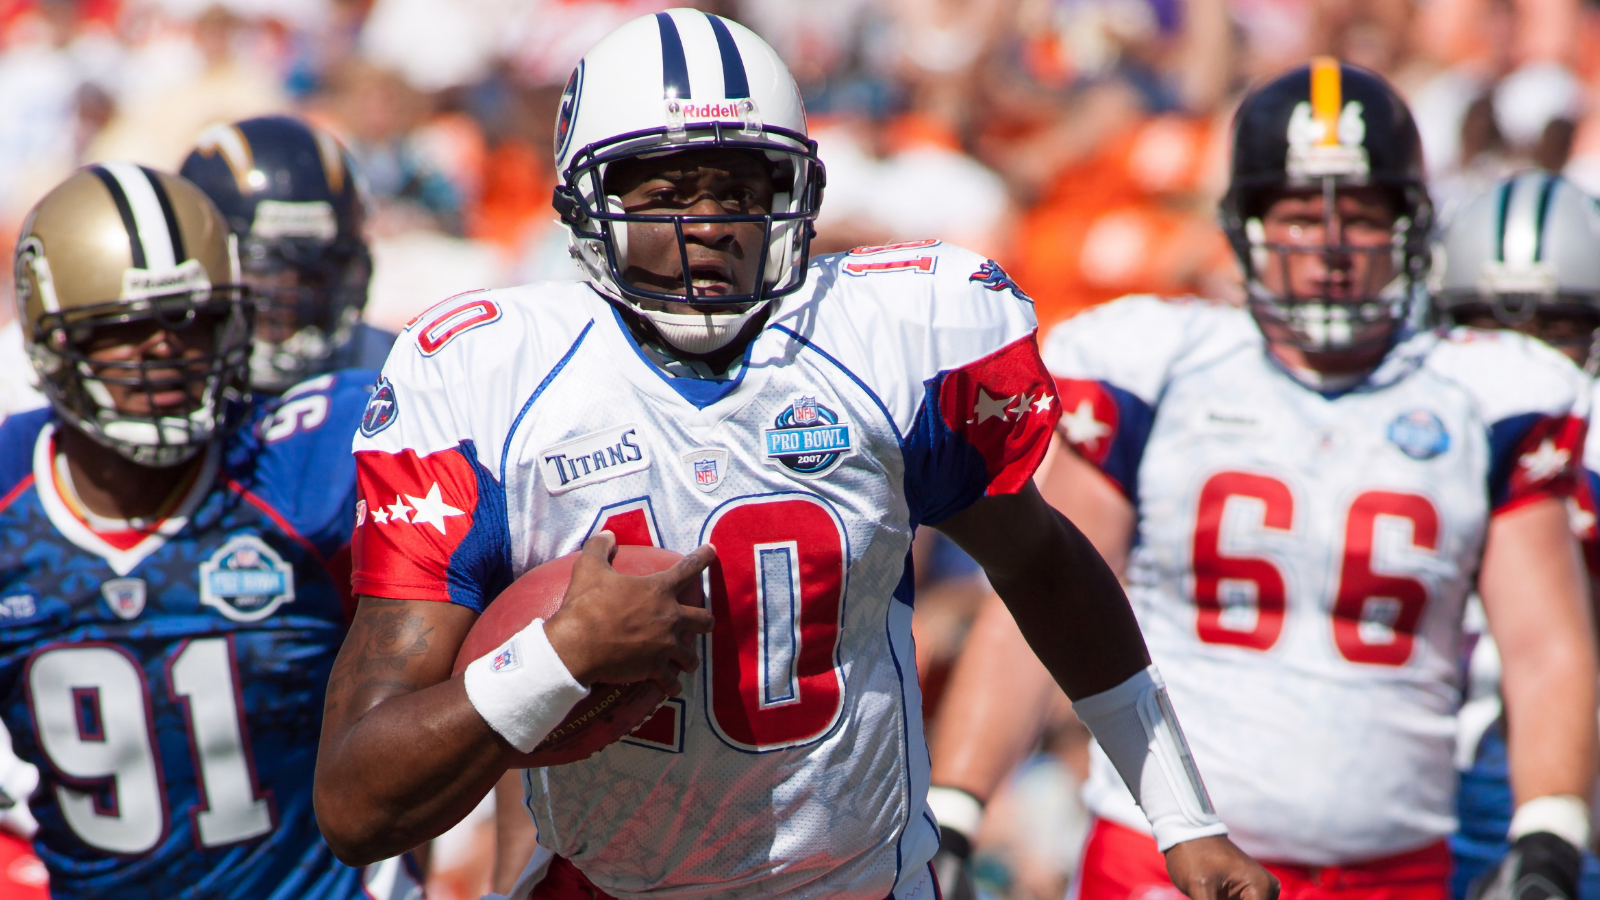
<point x="1525" y="256"/>
<point x="1300" y="495"/>
<point x="784" y="423"/>
<point x="289" y="193"/>
<point x="174" y="570"/>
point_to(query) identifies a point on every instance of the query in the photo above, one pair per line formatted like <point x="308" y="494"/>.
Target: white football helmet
<point x="672" y="81"/>
<point x="1530" y="242"/>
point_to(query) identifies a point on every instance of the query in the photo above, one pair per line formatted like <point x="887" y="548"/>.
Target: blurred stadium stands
<point x="1082" y="143"/>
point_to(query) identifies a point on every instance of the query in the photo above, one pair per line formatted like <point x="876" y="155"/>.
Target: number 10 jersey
<point x="1302" y="558"/>
<point x="898" y="387"/>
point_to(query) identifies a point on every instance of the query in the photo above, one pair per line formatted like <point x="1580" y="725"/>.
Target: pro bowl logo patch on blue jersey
<point x="246" y="580"/>
<point x="1419" y="434"/>
<point x="991" y="276"/>
<point x="381" y="409"/>
<point x="808" y="439"/>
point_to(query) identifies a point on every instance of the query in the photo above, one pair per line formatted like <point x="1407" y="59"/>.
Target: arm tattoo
<point x="381" y="644"/>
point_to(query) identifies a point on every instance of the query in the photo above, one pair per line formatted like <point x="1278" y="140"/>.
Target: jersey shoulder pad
<point x="483" y="328"/>
<point x="1138" y="343"/>
<point x="1509" y="374"/>
<point x="18" y="434"/>
<point x="910" y="310"/>
<point x="464" y="368"/>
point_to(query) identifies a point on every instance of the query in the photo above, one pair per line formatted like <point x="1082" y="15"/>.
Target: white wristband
<point x="1563" y="815"/>
<point x="522" y="688"/>
<point x="955" y="809"/>
<point x="1139" y="732"/>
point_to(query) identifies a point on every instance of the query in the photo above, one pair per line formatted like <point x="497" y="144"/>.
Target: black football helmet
<point x="289" y="193"/>
<point x="1328" y="126"/>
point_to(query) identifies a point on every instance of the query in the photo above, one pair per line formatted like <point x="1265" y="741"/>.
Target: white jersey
<point x="896" y="388"/>
<point x="1301" y="560"/>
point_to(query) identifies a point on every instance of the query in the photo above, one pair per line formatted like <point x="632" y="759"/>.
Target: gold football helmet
<point x="116" y="244"/>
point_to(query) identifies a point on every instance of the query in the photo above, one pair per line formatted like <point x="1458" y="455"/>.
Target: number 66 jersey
<point x="897" y="387"/>
<point x="1302" y="558"/>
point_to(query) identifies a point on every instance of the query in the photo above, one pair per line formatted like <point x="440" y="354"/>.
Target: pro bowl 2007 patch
<point x="246" y="580"/>
<point x="1419" y="434"/>
<point x="807" y="438"/>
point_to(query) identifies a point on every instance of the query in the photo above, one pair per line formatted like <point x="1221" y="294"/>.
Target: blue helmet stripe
<point x="734" y="82"/>
<point x="674" y="66"/>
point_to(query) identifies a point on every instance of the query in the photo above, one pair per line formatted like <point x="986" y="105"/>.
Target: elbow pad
<point x="1139" y="732"/>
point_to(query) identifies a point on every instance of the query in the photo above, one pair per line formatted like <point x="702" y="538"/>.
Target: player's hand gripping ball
<point x="611" y="711"/>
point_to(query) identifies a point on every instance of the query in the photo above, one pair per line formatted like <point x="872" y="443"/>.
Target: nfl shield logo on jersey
<point x="1419" y="434"/>
<point x="805" y="411"/>
<point x="706" y="466"/>
<point x="808" y="439"/>
<point x="246" y="580"/>
<point x="125" y="596"/>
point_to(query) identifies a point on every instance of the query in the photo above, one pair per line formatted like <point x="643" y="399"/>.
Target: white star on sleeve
<point x="398" y="510"/>
<point x="1581" y="521"/>
<point x="1081" y="425"/>
<point x="1546" y="461"/>
<point x="432" y="510"/>
<point x="379" y="516"/>
<point x="1043" y="404"/>
<point x="990" y="407"/>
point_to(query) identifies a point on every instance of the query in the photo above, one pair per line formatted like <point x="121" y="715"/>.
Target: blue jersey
<point x="171" y="692"/>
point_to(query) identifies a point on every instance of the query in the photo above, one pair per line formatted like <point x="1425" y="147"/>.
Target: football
<point x="610" y="711"/>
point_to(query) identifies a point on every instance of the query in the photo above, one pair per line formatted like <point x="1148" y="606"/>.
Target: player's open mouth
<point x="710" y="279"/>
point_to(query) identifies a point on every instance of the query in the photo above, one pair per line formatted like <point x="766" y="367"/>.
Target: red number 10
<point x="777" y="591"/>
<point x="1375" y="616"/>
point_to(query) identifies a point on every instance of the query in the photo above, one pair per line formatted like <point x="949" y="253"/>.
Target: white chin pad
<point x="700" y="332"/>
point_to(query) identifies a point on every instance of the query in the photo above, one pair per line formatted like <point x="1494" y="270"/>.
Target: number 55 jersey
<point x="899" y="386"/>
<point x="1302" y="558"/>
<point x="168" y="679"/>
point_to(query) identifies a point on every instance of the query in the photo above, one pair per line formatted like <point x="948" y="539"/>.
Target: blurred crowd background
<point x="1082" y="143"/>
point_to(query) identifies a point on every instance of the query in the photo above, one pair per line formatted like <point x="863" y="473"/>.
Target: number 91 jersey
<point x="898" y="387"/>
<point x="1302" y="559"/>
<point x="169" y="682"/>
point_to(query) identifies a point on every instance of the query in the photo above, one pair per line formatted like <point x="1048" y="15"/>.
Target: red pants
<point x="1122" y="864"/>
<point x="22" y="875"/>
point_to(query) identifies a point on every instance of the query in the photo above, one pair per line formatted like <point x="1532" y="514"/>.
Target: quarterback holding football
<point x="783" y="422"/>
